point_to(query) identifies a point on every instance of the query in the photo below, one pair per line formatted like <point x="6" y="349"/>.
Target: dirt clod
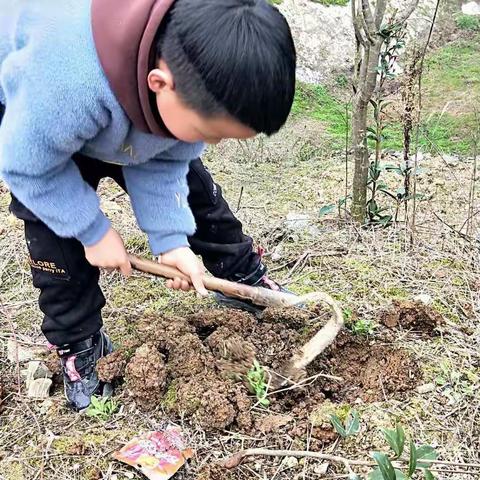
<point x="410" y="315"/>
<point x="146" y="376"/>
<point x="112" y="366"/>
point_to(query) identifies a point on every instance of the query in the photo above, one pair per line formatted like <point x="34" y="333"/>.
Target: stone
<point x="290" y="462"/>
<point x="39" y="389"/>
<point x="423" y="298"/>
<point x="322" y="468"/>
<point x="36" y="370"/>
<point x="426" y="388"/>
<point x="471" y="8"/>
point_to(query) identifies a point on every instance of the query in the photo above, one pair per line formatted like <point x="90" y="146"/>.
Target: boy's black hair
<point x="231" y="56"/>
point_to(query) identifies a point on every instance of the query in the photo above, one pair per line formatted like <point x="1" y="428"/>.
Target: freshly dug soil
<point x="413" y="316"/>
<point x="196" y="366"/>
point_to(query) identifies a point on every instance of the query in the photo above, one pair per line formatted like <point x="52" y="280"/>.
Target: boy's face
<point x="185" y="123"/>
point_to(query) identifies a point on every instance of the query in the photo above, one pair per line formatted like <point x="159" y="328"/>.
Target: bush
<point x="468" y="22"/>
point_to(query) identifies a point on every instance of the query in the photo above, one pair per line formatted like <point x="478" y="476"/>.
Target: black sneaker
<point x="257" y="278"/>
<point x="79" y="373"/>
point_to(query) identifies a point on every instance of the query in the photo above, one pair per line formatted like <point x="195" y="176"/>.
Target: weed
<point x="342" y="3"/>
<point x="363" y="327"/>
<point x="102" y="408"/>
<point x="468" y="22"/>
<point x="418" y="458"/>
<point x="350" y="427"/>
<point x="257" y="384"/>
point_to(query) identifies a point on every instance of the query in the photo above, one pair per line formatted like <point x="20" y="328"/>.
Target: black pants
<point x="70" y="297"/>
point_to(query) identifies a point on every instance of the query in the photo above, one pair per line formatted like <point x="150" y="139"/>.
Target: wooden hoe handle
<point x="259" y="296"/>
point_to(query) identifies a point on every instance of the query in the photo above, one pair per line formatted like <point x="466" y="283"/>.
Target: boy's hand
<point x="109" y="253"/>
<point x="186" y="261"/>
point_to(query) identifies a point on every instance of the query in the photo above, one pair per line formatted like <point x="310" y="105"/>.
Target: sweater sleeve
<point x="158" y="191"/>
<point x="38" y="136"/>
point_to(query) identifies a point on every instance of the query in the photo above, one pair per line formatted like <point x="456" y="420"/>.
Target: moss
<point x="133" y="292"/>
<point x="138" y="244"/>
<point x="394" y="292"/>
<point x="72" y="444"/>
<point x="12" y="471"/>
<point x="321" y="415"/>
<point x="360" y="267"/>
<point x="445" y="311"/>
<point x="170" y="398"/>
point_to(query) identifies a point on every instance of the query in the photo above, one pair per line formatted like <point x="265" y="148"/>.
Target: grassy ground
<point x="451" y="86"/>
<point x="297" y="171"/>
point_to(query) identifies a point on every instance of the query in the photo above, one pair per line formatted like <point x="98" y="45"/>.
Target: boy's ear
<point x="160" y="78"/>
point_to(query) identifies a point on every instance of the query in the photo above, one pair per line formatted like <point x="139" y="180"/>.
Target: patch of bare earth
<point x="196" y="366"/>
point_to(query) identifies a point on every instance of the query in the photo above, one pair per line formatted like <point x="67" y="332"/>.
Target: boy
<point x="130" y="89"/>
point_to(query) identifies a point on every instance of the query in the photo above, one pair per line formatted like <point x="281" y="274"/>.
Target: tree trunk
<point x="360" y="155"/>
<point x="366" y="87"/>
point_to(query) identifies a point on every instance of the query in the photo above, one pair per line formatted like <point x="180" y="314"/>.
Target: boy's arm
<point x="158" y="191"/>
<point x="38" y="137"/>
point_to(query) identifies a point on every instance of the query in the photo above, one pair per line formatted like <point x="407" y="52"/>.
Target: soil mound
<point x="196" y="366"/>
<point x="414" y="316"/>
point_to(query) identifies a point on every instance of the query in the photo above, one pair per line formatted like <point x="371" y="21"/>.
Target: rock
<point x="290" y="462"/>
<point x="36" y="370"/>
<point x="297" y="221"/>
<point x="471" y="8"/>
<point x="450" y="160"/>
<point x="322" y="468"/>
<point x="300" y="223"/>
<point x="426" y="388"/>
<point x="39" y="389"/>
<point x="25" y="353"/>
<point x="277" y="253"/>
<point x="423" y="298"/>
<point x="314" y="26"/>
<point x="38" y="380"/>
<point x="45" y="406"/>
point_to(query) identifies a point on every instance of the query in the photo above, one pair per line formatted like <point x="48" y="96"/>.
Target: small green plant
<point x="418" y="458"/>
<point x="350" y="427"/>
<point x="102" y="408"/>
<point x="257" y="384"/>
<point x="363" y="327"/>
<point x="468" y="22"/>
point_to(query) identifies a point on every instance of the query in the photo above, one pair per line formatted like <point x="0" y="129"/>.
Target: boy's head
<point x="225" y="69"/>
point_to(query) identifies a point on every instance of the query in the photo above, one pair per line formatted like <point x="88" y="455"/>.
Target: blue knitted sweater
<point x="58" y="102"/>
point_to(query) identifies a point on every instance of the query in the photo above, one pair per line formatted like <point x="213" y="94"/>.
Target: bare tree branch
<point x="356" y="26"/>
<point x="405" y="15"/>
<point x="380" y="8"/>
<point x="367" y="15"/>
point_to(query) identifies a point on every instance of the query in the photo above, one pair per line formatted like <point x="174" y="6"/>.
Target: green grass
<point x="332" y="2"/>
<point x="451" y="90"/>
<point x="453" y="74"/>
<point x="316" y="102"/>
<point x="468" y="22"/>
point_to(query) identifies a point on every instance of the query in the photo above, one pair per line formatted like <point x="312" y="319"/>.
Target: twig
<point x="6" y="313"/>
<point x="303" y="383"/>
<point x="236" y="459"/>
<point x="460" y="234"/>
<point x="239" y="199"/>
<point x="417" y="132"/>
